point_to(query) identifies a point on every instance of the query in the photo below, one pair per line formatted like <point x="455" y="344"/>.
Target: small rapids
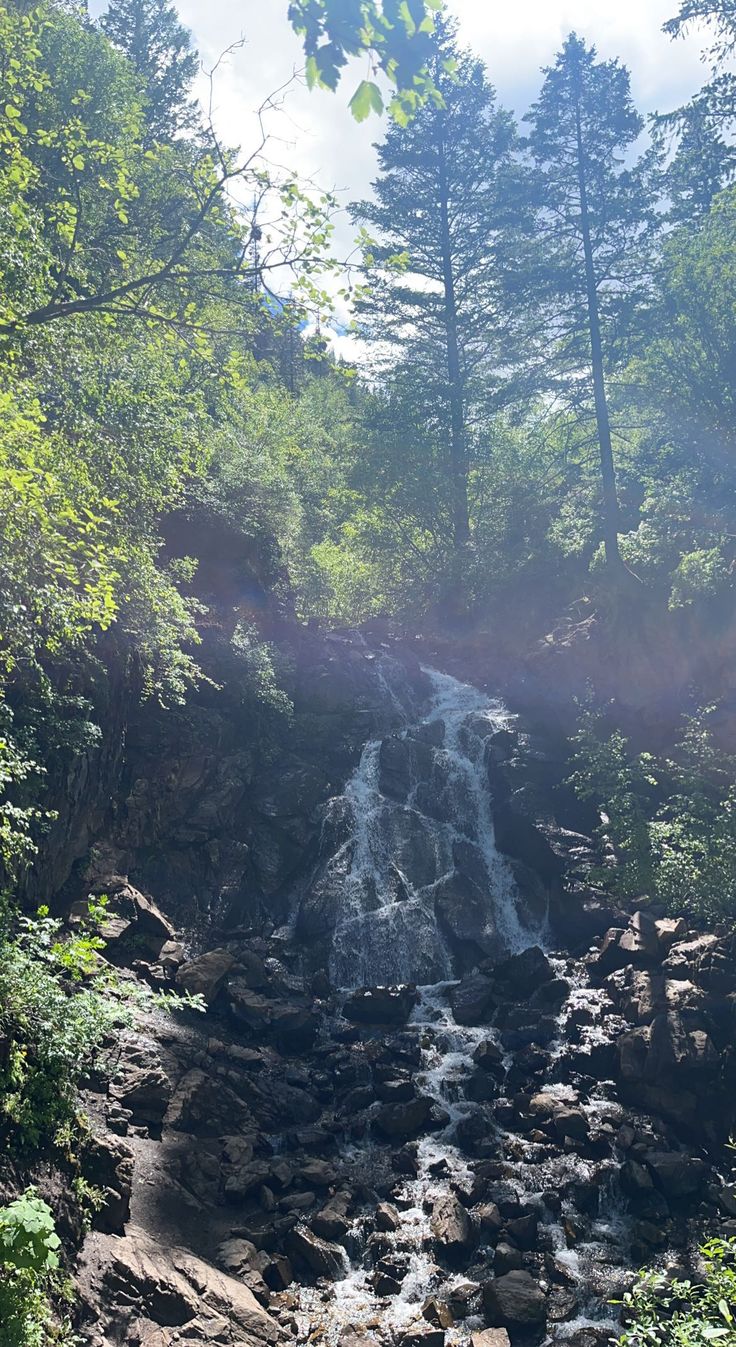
<point x="418" y="801"/>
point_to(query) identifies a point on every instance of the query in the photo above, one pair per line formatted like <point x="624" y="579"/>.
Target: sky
<point x="314" y="133"/>
<point x="515" y="38"/>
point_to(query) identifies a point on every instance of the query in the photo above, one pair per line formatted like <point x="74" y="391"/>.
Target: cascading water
<point x="401" y="849"/>
<point x="420" y="812"/>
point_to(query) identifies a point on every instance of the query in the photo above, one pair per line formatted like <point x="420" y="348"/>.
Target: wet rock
<point x="451" y="1226"/>
<point x="437" y="1312"/>
<point x="507" y="1258"/>
<point x="330" y="1223"/>
<point x="322" y="1258"/>
<point x="515" y="1300"/>
<point x="205" y="976"/>
<point x="472" y="999"/>
<point x="489" y="1219"/>
<point x="523" y="1231"/>
<point x="522" y="974"/>
<point x="489" y="1056"/>
<point x="422" y="1335"/>
<point x="571" y="1122"/>
<point x="463" y="916"/>
<point x="398" y="1121"/>
<point x="402" y="761"/>
<point x="381" y="1005"/>
<point x="387" y="1217"/>
<point x="676" y="1173"/>
<point x="490" y="1337"/>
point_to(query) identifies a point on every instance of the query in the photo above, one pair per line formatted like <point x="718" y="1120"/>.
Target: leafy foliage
<point x="675" y="1312"/>
<point x="672" y="820"/>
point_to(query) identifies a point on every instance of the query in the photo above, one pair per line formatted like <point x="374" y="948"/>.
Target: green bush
<point x="29" y="1278"/>
<point x="672" y="1312"/>
<point x="672" y="820"/>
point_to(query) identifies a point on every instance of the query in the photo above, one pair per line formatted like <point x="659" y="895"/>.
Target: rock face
<point x="170" y="1296"/>
<point x="249" y="1155"/>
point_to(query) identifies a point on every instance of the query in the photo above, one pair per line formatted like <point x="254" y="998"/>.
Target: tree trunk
<point x="603" y="422"/>
<point x="458" y="446"/>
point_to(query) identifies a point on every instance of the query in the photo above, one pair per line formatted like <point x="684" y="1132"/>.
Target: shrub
<point x="673" y="1312"/>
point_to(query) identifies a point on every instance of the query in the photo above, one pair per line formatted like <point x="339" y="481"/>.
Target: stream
<point x="420" y="811"/>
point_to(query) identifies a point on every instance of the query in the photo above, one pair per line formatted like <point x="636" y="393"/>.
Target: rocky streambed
<point x="456" y="1096"/>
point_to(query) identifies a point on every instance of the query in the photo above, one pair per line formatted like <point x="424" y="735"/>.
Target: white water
<point x="387" y="930"/>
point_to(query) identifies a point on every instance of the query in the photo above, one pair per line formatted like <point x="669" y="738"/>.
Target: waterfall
<point x="421" y="822"/>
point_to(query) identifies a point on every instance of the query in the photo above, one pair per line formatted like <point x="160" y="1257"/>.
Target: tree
<point x="705" y="159"/>
<point x="434" y="236"/>
<point x="160" y="48"/>
<point x="594" y="220"/>
<point x="396" y="35"/>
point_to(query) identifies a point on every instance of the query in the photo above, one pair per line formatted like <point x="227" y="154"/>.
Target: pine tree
<point x="436" y="229"/>
<point x="149" y="32"/>
<point x="595" y="219"/>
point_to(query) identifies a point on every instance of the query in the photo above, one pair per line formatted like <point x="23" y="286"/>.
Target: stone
<point x="669" y="931"/>
<point x="640" y="943"/>
<point x="387" y="1217"/>
<point x="422" y="1335"/>
<point x="322" y="1258"/>
<point x="462" y="914"/>
<point x="437" y="1312"/>
<point x="507" y="1258"/>
<point x="472" y="999"/>
<point x="381" y="1005"/>
<point x="490" y="1337"/>
<point x="515" y="1300"/>
<point x="330" y="1224"/>
<point x="676" y="1173"/>
<point x="401" y="1121"/>
<point x="141" y="1085"/>
<point x="138" y="1277"/>
<point x="523" y="1231"/>
<point x="451" y="1226"/>
<point x="571" y="1122"/>
<point x="205" y="976"/>
<point x="522" y="974"/>
<point x="489" y="1056"/>
<point x="108" y="1165"/>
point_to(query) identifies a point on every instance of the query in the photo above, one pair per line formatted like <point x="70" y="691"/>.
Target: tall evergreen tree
<point x="437" y="228"/>
<point x="595" y="216"/>
<point x="150" y="33"/>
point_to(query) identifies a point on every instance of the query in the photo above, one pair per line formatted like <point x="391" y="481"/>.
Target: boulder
<point x="140" y="1083"/>
<point x="522" y="974"/>
<point x="463" y="915"/>
<point x="205" y="975"/>
<point x="676" y="1173"/>
<point x="108" y="1165"/>
<point x="515" y="1301"/>
<point x="387" y="1217"/>
<point x="401" y="1121"/>
<point x="451" y="1226"/>
<point x="472" y="999"/>
<point x="138" y="1277"/>
<point x="322" y="1258"/>
<point x="490" y="1337"/>
<point x="381" y="1005"/>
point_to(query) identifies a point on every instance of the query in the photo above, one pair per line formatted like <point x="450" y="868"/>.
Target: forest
<point x="258" y="498"/>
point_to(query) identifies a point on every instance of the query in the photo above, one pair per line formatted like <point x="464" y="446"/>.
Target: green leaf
<point x="366" y="99"/>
